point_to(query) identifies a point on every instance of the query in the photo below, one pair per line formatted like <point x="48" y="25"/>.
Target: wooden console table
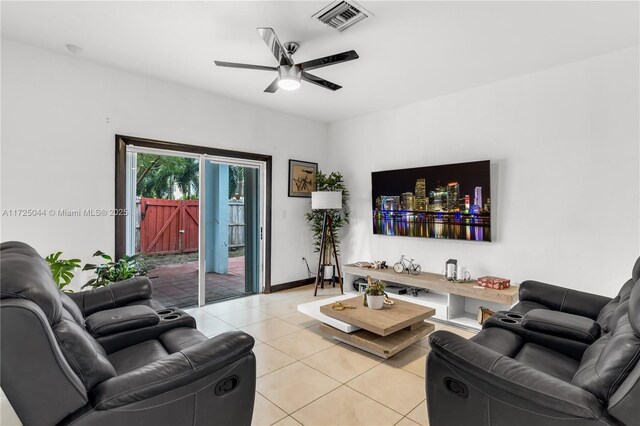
<point x="454" y="302"/>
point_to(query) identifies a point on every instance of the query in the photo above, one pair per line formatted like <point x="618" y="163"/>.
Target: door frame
<point x="121" y="144"/>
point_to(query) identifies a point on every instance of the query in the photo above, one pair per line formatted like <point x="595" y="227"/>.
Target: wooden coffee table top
<point x="383" y="321"/>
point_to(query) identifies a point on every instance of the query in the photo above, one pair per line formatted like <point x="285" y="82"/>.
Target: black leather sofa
<point x="537" y="295"/>
<point x="126" y="298"/>
<point x="570" y="370"/>
<point x="570" y="320"/>
<point x="113" y="356"/>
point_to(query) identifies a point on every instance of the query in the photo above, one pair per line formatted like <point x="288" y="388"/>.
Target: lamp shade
<point x="326" y="200"/>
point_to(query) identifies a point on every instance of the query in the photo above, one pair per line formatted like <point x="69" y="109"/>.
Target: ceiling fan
<point x="290" y="73"/>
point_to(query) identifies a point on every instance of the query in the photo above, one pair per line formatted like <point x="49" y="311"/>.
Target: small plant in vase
<point x="375" y="294"/>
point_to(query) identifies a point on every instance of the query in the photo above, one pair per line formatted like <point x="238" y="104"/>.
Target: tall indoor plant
<point x="333" y="181"/>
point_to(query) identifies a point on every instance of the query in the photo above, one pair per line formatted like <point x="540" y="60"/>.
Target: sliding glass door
<point x="198" y="221"/>
<point x="230" y="239"/>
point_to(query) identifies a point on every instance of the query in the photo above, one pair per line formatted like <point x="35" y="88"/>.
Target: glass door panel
<point x="231" y="236"/>
<point x="198" y="223"/>
<point x="163" y="194"/>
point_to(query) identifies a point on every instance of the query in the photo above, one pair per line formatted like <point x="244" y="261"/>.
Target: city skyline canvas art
<point x="451" y="201"/>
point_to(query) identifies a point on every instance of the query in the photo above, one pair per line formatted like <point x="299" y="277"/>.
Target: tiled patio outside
<point x="177" y="285"/>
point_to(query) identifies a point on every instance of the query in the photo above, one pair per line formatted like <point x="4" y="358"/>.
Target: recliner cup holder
<point x="165" y="312"/>
<point x="170" y="317"/>
<point x="514" y="316"/>
<point x="508" y="321"/>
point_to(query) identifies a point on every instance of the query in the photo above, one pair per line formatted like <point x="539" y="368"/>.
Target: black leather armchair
<point x="124" y="297"/>
<point x="54" y="371"/>
<point x="538" y="295"/>
<point x="567" y="319"/>
<point x="134" y="291"/>
<point x="499" y="377"/>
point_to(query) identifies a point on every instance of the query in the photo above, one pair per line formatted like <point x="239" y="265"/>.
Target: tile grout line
<point x="424" y="401"/>
<point x="400" y="368"/>
<point x="405" y="417"/>
<point x="276" y="405"/>
<point x="301" y="360"/>
<point x="378" y="402"/>
<point x="264" y="341"/>
<point x="353" y="378"/>
<point x="279" y="368"/>
<point x="311" y="402"/>
<point x="341" y="385"/>
<point x="245" y="325"/>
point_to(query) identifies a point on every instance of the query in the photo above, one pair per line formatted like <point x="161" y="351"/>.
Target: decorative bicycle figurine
<point x="406" y="265"/>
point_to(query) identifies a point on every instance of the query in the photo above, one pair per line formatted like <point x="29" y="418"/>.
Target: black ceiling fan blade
<point x="328" y="60"/>
<point x="277" y="49"/>
<point x="272" y="87"/>
<point x="245" y="66"/>
<point x="320" y="81"/>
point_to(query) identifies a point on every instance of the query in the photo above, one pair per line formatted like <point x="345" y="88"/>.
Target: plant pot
<point x="375" y="302"/>
<point x="328" y="255"/>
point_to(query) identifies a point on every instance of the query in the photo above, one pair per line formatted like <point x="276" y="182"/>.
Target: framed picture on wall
<point x="302" y="178"/>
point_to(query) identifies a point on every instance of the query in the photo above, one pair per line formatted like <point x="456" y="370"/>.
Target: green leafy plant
<point x="113" y="271"/>
<point x="160" y="175"/>
<point x="62" y="269"/>
<point x="331" y="182"/>
<point x="375" y="289"/>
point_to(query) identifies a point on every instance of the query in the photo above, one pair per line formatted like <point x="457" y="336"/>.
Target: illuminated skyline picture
<point x="450" y="201"/>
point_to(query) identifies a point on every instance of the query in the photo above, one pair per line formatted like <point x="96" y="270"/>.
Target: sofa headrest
<point x="634" y="309"/>
<point x="635" y="272"/>
<point x="25" y="275"/>
<point x="18" y="247"/>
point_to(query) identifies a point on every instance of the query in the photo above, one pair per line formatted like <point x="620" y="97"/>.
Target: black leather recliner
<point x="537" y="295"/>
<point x="500" y="377"/>
<point x="570" y="320"/>
<point x="124" y="298"/>
<point x="153" y="369"/>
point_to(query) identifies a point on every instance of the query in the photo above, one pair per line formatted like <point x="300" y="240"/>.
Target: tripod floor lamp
<point x="327" y="200"/>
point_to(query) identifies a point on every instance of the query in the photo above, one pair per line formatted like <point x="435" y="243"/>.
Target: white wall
<point x="58" y="149"/>
<point x="564" y="145"/>
<point x="566" y="138"/>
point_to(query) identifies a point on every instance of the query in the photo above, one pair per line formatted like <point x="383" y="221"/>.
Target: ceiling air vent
<point x="341" y="14"/>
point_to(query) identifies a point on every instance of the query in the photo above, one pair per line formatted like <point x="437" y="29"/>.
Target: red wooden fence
<point x="168" y="226"/>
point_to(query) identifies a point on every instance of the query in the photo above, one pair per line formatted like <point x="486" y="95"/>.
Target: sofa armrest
<point x="173" y="371"/>
<point x="112" y="321"/>
<point x="563" y="299"/>
<point x="562" y="324"/>
<point x="512" y="377"/>
<point x="113" y="296"/>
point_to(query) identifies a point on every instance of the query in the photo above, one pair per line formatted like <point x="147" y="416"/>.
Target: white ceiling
<point x="409" y="51"/>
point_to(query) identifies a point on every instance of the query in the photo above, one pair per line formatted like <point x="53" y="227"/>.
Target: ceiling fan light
<point x="289" y="84"/>
<point x="289" y="77"/>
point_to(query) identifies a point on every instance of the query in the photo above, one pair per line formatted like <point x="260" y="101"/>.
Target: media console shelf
<point x="454" y="302"/>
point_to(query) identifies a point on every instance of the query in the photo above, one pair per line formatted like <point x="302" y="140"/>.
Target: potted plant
<point x="62" y="270"/>
<point x="113" y="271"/>
<point x="375" y="294"/>
<point x="331" y="182"/>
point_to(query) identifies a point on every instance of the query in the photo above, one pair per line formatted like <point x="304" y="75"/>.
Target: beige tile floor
<point x="306" y="378"/>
